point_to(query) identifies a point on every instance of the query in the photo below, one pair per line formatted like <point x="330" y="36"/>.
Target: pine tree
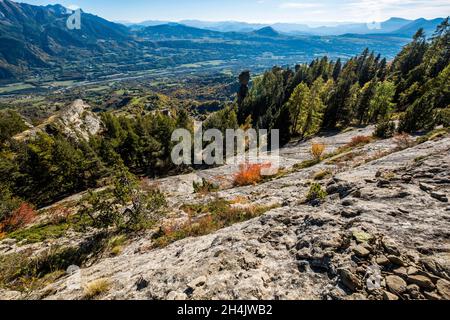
<point x="298" y="106"/>
<point x="381" y="105"/>
<point x="367" y="93"/>
<point x="337" y="69"/>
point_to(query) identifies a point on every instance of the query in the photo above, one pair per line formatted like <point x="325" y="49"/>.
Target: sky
<point x="258" y="11"/>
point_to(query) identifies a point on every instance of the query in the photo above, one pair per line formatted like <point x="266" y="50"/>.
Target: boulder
<point x="350" y="279"/>
<point x="443" y="287"/>
<point x="396" y="284"/>
<point x="422" y="281"/>
<point x="389" y="296"/>
<point x="382" y="261"/>
<point x="361" y="252"/>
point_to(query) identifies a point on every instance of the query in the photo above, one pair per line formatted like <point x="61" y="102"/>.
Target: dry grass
<point x="345" y="157"/>
<point x="59" y="214"/>
<point x="322" y="175"/>
<point x="250" y="174"/>
<point x="96" y="288"/>
<point x="205" y="187"/>
<point x="207" y="218"/>
<point x="239" y="200"/>
<point x="116" y="244"/>
<point x="359" y="141"/>
<point x="317" y="150"/>
<point x="403" y="141"/>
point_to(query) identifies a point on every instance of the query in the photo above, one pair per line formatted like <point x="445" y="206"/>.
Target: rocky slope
<point x="382" y="233"/>
<point x="76" y="121"/>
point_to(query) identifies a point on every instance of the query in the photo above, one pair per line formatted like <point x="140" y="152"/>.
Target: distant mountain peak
<point x="267" y="31"/>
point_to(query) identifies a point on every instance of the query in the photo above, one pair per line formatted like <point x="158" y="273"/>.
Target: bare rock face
<point x="395" y="247"/>
<point x="75" y="121"/>
<point x="78" y="121"/>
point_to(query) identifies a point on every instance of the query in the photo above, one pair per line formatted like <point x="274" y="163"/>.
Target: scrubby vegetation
<point x="126" y="206"/>
<point x="317" y="150"/>
<point x="24" y="271"/>
<point x="316" y="193"/>
<point x="205" y="187"/>
<point x="207" y="218"/>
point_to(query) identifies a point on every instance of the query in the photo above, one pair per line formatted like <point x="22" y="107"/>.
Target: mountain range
<point x="36" y="45"/>
<point x="394" y="25"/>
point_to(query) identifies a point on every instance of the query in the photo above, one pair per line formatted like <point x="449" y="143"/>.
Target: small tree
<point x="125" y="205"/>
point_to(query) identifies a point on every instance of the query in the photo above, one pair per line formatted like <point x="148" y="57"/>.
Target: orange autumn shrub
<point x="19" y="218"/>
<point x="250" y="174"/>
<point x="317" y="150"/>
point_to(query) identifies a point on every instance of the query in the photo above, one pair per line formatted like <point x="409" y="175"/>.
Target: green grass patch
<point x="46" y="231"/>
<point x="316" y="192"/>
<point x="306" y="164"/>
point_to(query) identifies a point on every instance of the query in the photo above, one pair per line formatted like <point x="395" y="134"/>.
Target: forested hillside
<point x="413" y="88"/>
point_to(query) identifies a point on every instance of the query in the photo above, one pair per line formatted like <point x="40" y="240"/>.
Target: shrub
<point x="19" y="218"/>
<point x="444" y="117"/>
<point x="403" y="141"/>
<point x="125" y="206"/>
<point x="316" y="193"/>
<point x="8" y="203"/>
<point x="359" y="141"/>
<point x="249" y="174"/>
<point x="317" y="150"/>
<point x="205" y="187"/>
<point x="96" y="288"/>
<point x="384" y="129"/>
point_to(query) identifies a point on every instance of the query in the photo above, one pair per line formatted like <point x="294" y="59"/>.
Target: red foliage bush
<point x="19" y="218"/>
<point x="250" y="174"/>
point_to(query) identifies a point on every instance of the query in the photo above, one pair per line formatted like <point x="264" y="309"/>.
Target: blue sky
<point x="266" y="11"/>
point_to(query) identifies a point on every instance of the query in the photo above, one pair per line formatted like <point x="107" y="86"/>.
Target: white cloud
<point x="298" y="5"/>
